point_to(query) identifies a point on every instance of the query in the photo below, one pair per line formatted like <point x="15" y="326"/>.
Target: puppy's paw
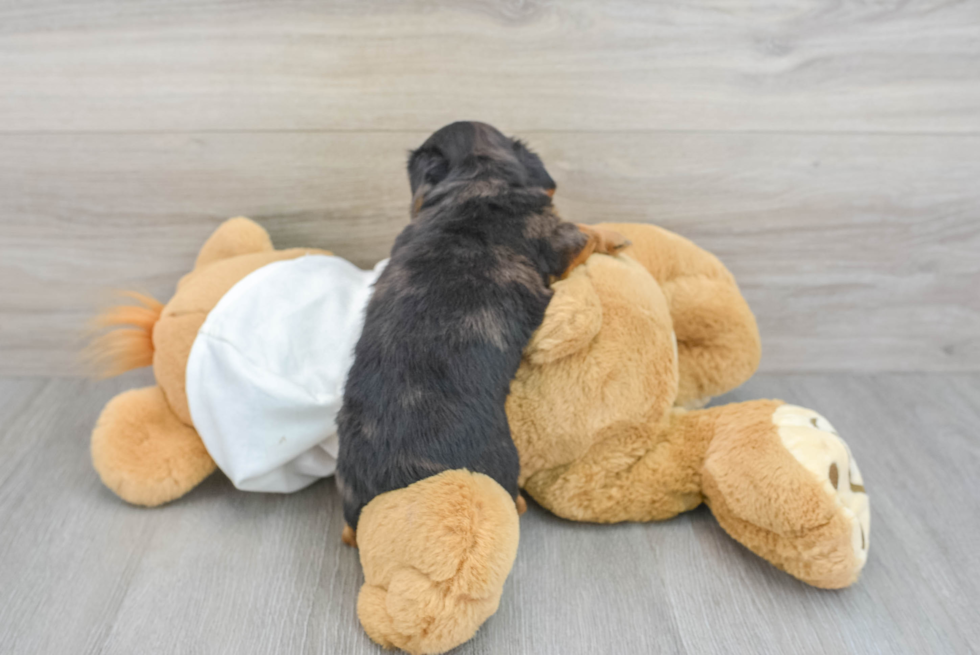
<point x="608" y="242"/>
<point x="349" y="537"/>
<point x="600" y="240"/>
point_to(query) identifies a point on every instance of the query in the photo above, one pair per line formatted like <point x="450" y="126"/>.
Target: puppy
<point x="466" y="286"/>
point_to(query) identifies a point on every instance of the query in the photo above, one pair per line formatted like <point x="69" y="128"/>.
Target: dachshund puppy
<point x="466" y="286"/>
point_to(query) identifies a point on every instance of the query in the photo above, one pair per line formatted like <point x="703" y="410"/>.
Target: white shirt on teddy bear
<point x="265" y="376"/>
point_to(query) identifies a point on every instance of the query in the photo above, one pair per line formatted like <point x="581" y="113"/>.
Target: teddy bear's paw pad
<point x="814" y="442"/>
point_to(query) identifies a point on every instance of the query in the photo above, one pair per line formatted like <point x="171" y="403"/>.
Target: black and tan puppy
<point x="466" y="286"/>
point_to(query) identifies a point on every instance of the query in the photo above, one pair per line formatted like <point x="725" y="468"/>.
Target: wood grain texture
<point x="857" y="252"/>
<point x="164" y="65"/>
<point x="223" y="571"/>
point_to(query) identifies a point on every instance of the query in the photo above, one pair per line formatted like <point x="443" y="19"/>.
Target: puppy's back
<point x="443" y="337"/>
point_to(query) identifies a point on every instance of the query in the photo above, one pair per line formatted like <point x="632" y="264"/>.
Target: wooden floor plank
<point x="747" y="65"/>
<point x="223" y="571"/>
<point x="856" y="252"/>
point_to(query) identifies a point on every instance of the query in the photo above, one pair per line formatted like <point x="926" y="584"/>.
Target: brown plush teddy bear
<point x="604" y="412"/>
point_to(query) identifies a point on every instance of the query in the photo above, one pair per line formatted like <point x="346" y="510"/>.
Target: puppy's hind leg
<point x="348" y="536"/>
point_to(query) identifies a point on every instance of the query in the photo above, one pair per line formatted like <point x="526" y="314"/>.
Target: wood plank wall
<point x="828" y="152"/>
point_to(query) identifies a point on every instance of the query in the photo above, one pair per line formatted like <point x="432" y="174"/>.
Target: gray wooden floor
<point x="223" y="571"/>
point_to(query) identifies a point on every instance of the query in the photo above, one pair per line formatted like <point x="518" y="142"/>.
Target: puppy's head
<point x="468" y="151"/>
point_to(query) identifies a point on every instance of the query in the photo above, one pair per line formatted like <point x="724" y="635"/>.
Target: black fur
<point x="466" y="287"/>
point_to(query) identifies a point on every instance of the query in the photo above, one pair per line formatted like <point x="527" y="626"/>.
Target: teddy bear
<point x="607" y="412"/>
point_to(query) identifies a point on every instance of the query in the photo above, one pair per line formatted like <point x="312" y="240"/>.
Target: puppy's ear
<point x="571" y="322"/>
<point x="427" y="167"/>
<point x="537" y="175"/>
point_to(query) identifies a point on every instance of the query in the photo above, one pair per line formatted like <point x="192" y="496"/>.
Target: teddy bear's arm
<point x="717" y="336"/>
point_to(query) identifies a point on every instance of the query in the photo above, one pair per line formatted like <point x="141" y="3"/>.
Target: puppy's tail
<point x="127" y="338"/>
<point x="435" y="556"/>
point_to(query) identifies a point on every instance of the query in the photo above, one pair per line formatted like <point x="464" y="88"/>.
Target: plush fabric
<point x="435" y="557"/>
<point x="596" y="411"/>
<point x="144" y="453"/>
<point x="717" y="338"/>
<point x="604" y="411"/>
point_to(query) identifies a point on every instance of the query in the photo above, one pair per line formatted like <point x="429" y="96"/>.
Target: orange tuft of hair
<point x="128" y="341"/>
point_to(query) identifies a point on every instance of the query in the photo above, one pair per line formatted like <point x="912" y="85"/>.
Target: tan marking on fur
<point x="345" y="492"/>
<point x="521" y="505"/>
<point x="601" y="240"/>
<point x="430" y="466"/>
<point x="419" y="199"/>
<point x="511" y="267"/>
<point x="348" y="536"/>
<point x="369" y="429"/>
<point x="482" y="189"/>
<point x="488" y="324"/>
<point x="411" y="397"/>
<point x="540" y="226"/>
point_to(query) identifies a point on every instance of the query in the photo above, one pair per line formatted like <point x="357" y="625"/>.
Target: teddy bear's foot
<point x="144" y="453"/>
<point x="782" y="482"/>
<point x="815" y="444"/>
<point x="435" y="557"/>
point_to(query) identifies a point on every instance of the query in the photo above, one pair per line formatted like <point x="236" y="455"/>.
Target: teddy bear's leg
<point x="782" y="482"/>
<point x="144" y="453"/>
<point x="636" y="473"/>
<point x="435" y="556"/>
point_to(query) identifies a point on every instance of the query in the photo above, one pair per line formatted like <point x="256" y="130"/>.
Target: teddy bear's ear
<point x="571" y="322"/>
<point x="236" y="236"/>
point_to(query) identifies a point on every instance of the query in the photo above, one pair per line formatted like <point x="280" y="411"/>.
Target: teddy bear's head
<point x="604" y="357"/>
